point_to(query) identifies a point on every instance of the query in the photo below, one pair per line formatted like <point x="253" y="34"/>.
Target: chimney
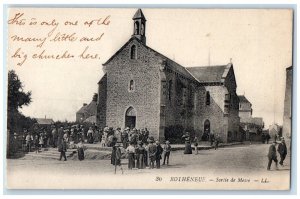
<point x="95" y="97"/>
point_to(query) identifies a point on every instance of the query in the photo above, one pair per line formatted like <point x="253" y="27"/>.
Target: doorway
<point x="206" y="132"/>
<point x="130" y="118"/>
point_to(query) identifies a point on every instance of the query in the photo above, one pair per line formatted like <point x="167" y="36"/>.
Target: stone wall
<point x="145" y="97"/>
<point x="287" y="114"/>
<point x="102" y="102"/>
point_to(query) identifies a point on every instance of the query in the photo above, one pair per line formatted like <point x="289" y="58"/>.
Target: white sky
<point x="258" y="41"/>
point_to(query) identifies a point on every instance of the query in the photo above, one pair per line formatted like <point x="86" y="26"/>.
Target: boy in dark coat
<point x="272" y="155"/>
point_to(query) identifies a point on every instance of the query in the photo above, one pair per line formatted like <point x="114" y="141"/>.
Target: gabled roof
<point x="243" y="99"/>
<point x="139" y="14"/>
<point x="44" y="121"/>
<point x="209" y="74"/>
<point x="175" y="66"/>
<point x="89" y="109"/>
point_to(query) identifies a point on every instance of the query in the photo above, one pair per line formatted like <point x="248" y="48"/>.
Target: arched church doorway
<point x="130" y="117"/>
<point x="206" y="132"/>
<point x="207" y="126"/>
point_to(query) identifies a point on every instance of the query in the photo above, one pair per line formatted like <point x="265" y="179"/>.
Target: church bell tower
<point x="139" y="28"/>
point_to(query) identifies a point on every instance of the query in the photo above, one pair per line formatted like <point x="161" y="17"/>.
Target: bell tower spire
<point x="139" y="26"/>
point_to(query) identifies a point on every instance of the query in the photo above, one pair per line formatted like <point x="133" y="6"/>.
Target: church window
<point x="131" y="85"/>
<point x="142" y="29"/>
<point x="133" y="52"/>
<point x="207" y="98"/>
<point x="136" y="28"/>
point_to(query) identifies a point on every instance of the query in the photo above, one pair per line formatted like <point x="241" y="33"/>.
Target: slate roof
<point x="44" y="121"/>
<point x="208" y="74"/>
<point x="89" y="109"/>
<point x="139" y="14"/>
<point x="243" y="99"/>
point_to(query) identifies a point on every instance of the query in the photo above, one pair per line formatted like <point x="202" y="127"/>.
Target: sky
<point x="259" y="43"/>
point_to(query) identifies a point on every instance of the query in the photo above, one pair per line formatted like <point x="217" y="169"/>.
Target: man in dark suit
<point x="282" y="150"/>
<point x="159" y="151"/>
<point x="272" y="155"/>
<point x="63" y="149"/>
<point x="152" y="152"/>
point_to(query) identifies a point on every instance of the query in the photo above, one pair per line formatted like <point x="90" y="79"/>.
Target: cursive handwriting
<point x="41" y="37"/>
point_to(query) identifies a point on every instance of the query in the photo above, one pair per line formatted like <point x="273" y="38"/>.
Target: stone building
<point x="87" y="112"/>
<point x="287" y="114"/>
<point x="245" y="109"/>
<point x="144" y="89"/>
<point x="249" y="124"/>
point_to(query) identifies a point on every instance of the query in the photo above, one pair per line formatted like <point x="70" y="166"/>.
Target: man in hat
<point x="159" y="151"/>
<point x="140" y="155"/>
<point x="63" y="150"/>
<point x="60" y="135"/>
<point x="54" y="137"/>
<point x="282" y="150"/>
<point x="146" y="133"/>
<point x="130" y="150"/>
<point x="29" y="139"/>
<point x="272" y="155"/>
<point x="116" y="157"/>
<point x="217" y="141"/>
<point x="124" y="137"/>
<point x="118" y="134"/>
<point x="152" y="152"/>
<point x="167" y="151"/>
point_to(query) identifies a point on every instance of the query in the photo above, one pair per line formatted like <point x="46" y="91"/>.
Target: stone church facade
<point x="142" y="88"/>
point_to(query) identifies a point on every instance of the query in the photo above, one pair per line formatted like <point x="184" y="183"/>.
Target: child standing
<point x="167" y="151"/>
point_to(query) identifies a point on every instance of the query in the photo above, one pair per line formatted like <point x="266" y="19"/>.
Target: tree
<point x="16" y="98"/>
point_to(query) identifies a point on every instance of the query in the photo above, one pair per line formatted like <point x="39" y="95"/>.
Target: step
<point x="50" y="156"/>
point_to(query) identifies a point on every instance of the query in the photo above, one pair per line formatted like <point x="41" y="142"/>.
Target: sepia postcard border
<point x="293" y="173"/>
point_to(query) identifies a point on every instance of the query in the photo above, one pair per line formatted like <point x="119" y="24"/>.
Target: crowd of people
<point x="142" y="154"/>
<point x="141" y="149"/>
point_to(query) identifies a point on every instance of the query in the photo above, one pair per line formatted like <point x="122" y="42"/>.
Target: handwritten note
<point x="51" y="39"/>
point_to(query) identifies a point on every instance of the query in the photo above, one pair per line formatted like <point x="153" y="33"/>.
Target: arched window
<point x="133" y="52"/>
<point x="207" y="98"/>
<point x="143" y="29"/>
<point x="131" y="85"/>
<point x="170" y="90"/>
<point x="136" y="28"/>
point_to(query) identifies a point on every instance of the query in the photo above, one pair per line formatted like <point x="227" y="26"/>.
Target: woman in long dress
<point x="140" y="150"/>
<point x="90" y="135"/>
<point x="188" y="146"/>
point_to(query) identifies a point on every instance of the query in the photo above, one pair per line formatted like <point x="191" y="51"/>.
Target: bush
<point x="174" y="134"/>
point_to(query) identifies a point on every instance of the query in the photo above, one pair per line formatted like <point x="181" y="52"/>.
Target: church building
<point x="142" y="88"/>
